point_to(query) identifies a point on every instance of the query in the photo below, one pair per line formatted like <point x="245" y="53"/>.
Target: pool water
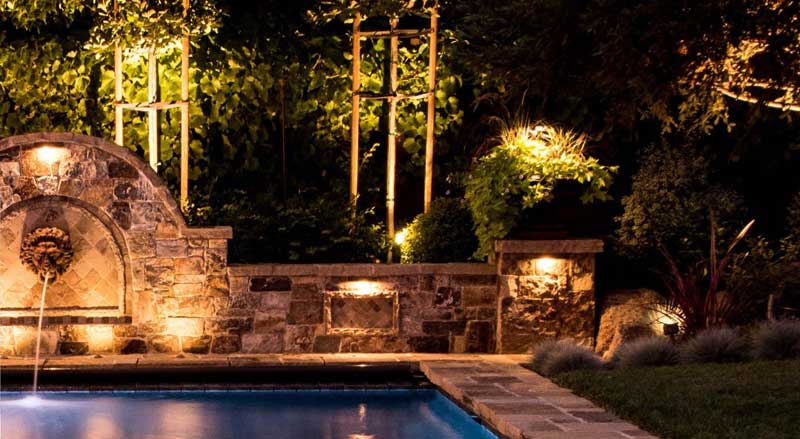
<point x="345" y="414"/>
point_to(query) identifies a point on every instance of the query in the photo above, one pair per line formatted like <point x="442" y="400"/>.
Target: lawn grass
<point x="706" y="401"/>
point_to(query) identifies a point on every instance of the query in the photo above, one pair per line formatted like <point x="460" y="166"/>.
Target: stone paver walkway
<point x="521" y="404"/>
<point x="512" y="400"/>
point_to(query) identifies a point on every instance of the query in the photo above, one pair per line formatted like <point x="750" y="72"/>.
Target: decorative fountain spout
<point x="47" y="252"/>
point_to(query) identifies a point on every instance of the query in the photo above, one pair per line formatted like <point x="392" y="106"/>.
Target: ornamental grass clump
<point x="715" y="345"/>
<point x="541" y="353"/>
<point x="777" y="340"/>
<point x="566" y="356"/>
<point x="648" y="351"/>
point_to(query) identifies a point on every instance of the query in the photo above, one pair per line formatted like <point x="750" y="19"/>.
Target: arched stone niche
<point x="95" y="283"/>
<point x="149" y="267"/>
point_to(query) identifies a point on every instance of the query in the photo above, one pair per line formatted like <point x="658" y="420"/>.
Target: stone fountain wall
<point x="142" y="281"/>
<point x="136" y="264"/>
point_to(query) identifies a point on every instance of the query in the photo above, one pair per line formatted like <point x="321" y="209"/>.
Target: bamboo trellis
<point x="154" y="106"/>
<point x="393" y="97"/>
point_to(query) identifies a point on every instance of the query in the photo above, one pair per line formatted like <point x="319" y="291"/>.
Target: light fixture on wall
<point x="362" y="287"/>
<point x="546" y="265"/>
<point x="50" y="155"/>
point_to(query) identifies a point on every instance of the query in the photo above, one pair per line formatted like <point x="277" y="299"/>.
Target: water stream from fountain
<point x="47" y="252"/>
<point x="39" y="335"/>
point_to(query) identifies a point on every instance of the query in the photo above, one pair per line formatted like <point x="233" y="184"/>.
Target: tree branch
<point x="750" y="99"/>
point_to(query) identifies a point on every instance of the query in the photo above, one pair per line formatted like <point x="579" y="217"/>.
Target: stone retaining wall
<point x="363" y="308"/>
<point x="144" y="282"/>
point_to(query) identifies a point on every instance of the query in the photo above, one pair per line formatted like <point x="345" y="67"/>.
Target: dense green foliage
<point x="522" y="171"/>
<point x="709" y="401"/>
<point x="673" y="199"/>
<point x="679" y="212"/>
<point x="443" y="234"/>
<point x="621" y="73"/>
<point x="605" y="65"/>
<point x="58" y="76"/>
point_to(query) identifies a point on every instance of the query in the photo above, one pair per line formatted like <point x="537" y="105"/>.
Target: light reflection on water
<point x="205" y="415"/>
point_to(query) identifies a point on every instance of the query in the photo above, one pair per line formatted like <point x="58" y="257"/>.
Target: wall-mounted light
<point x="546" y="265"/>
<point x="362" y="287"/>
<point x="50" y="155"/>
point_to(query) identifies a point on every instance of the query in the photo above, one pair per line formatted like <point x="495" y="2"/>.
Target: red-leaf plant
<point x="695" y="295"/>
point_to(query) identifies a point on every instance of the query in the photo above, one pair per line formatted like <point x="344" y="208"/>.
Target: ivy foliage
<point x="443" y="234"/>
<point x="523" y="171"/>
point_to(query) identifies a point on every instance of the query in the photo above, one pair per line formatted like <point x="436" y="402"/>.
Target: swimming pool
<point x="291" y="414"/>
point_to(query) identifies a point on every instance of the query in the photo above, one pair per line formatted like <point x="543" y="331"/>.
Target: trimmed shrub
<point x="778" y="340"/>
<point x="541" y="353"/>
<point x="648" y="351"/>
<point x="715" y="345"/>
<point x="568" y="356"/>
<point x="443" y="234"/>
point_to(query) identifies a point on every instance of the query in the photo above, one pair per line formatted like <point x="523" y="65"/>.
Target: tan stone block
<point x="166" y="231"/>
<point x="193" y="289"/>
<point x="185" y="326"/>
<point x="172" y="248"/>
<point x="583" y="282"/>
<point x="239" y="284"/>
<point x="190" y="266"/>
<point x="218" y="243"/>
<point x="189" y="278"/>
<point x="141" y="244"/>
<point x="145" y="305"/>
<point x="273" y="320"/>
<point x="479" y="296"/>
<point x="25" y="341"/>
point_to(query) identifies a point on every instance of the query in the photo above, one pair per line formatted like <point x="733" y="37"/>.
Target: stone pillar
<point x="546" y="290"/>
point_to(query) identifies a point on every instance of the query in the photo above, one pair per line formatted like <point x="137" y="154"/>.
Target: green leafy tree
<point x="602" y="65"/>
<point x="673" y="201"/>
<point x="443" y="234"/>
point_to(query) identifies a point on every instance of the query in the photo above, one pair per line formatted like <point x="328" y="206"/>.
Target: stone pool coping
<point x="510" y="399"/>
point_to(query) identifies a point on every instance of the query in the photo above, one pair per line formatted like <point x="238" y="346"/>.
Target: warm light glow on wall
<point x="184" y="326"/>
<point x="362" y="287"/>
<point x="546" y="265"/>
<point x="50" y="155"/>
<point x="100" y="338"/>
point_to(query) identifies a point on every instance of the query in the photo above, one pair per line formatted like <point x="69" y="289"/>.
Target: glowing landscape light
<point x="546" y="265"/>
<point x="50" y="155"/>
<point x="400" y="237"/>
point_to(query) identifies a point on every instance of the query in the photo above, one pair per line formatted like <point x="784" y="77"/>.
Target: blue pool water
<point x="392" y="414"/>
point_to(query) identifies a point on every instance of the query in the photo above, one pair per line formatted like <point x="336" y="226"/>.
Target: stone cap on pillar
<point x="554" y="246"/>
